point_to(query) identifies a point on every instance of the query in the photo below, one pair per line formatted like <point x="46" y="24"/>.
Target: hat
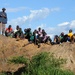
<point x="3" y="9"/>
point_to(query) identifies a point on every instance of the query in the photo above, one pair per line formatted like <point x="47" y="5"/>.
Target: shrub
<point x="42" y="64"/>
<point x="19" y="60"/>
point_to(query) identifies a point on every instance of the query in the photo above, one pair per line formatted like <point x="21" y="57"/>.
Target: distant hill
<point x="9" y="48"/>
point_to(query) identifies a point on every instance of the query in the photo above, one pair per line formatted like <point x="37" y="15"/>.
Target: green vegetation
<point x="42" y="64"/>
<point x="19" y="60"/>
<point x="2" y="74"/>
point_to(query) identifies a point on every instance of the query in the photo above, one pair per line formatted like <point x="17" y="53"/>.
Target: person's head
<point x="28" y="29"/>
<point x="39" y="28"/>
<point x="43" y="30"/>
<point x="70" y="30"/>
<point x="9" y="26"/>
<point x="25" y="30"/>
<point x="35" y="31"/>
<point x="62" y="34"/>
<point x="17" y="27"/>
<point x="56" y="36"/>
<point x="3" y="9"/>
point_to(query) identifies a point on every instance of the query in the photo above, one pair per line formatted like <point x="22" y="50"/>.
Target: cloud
<point x="64" y="24"/>
<point x="41" y="25"/>
<point x="42" y="13"/>
<point x="18" y="21"/>
<point x="15" y="9"/>
<point x="72" y="24"/>
<point x="39" y="14"/>
<point x="67" y="25"/>
<point x="34" y="15"/>
<point x="55" y="9"/>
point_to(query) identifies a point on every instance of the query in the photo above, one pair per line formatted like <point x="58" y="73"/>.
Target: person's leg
<point x="3" y="29"/>
<point x="39" y="42"/>
<point x="6" y="33"/>
<point x="48" y="39"/>
<point x="0" y="27"/>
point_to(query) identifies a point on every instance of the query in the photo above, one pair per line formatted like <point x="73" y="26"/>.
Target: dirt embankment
<point x="9" y="48"/>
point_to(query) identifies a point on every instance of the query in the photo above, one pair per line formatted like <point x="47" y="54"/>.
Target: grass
<point x="42" y="64"/>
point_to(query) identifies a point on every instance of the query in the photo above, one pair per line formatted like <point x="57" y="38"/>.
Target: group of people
<point x="37" y="36"/>
<point x="70" y="37"/>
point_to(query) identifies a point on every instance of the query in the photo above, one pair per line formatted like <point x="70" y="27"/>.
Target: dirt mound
<point x="9" y="48"/>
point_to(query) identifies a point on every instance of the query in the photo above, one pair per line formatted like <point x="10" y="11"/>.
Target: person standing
<point x="3" y="21"/>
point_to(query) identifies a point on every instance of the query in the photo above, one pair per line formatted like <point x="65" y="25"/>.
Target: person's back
<point x="56" y="40"/>
<point x="70" y="35"/>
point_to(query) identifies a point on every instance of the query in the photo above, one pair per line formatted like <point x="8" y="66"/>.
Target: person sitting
<point x="45" y="37"/>
<point x="40" y="35"/>
<point x="19" y="34"/>
<point x="35" y="34"/>
<point x="9" y="31"/>
<point x="27" y="33"/>
<point x="56" y="40"/>
<point x="61" y="37"/>
<point x="74" y="37"/>
<point x="39" y="31"/>
<point x="36" y="40"/>
<point x="16" y="31"/>
<point x="70" y="35"/>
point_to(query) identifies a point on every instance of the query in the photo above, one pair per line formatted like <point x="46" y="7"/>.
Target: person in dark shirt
<point x="3" y="21"/>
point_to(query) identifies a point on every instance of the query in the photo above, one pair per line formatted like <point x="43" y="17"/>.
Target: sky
<point x="54" y="16"/>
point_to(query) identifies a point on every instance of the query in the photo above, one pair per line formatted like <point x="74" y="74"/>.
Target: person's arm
<point x="4" y="15"/>
<point x="4" y="18"/>
<point x="0" y="14"/>
<point x="6" y="30"/>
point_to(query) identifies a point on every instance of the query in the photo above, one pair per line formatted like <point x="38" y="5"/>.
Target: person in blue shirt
<point x="3" y="21"/>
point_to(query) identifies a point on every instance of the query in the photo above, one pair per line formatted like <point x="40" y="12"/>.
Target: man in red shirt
<point x="8" y="31"/>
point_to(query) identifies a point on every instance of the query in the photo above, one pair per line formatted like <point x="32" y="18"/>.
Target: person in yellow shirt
<point x="70" y="35"/>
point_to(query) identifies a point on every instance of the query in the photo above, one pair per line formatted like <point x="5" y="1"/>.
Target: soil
<point x="9" y="48"/>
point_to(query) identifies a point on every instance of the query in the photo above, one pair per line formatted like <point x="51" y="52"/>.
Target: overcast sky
<point x="55" y="16"/>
